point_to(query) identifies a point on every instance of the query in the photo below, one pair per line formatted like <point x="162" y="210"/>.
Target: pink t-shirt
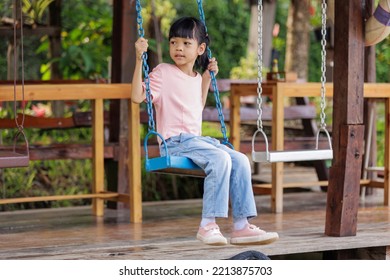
<point x="177" y="99"/>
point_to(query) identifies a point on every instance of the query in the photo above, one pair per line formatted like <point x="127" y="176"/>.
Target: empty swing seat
<point x="13" y="159"/>
<point x="290" y="156"/>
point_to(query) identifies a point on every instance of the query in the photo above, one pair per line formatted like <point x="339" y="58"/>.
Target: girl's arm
<point x="138" y="94"/>
<point x="206" y="78"/>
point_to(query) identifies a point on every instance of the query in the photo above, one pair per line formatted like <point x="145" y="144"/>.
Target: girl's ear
<point x="201" y="48"/>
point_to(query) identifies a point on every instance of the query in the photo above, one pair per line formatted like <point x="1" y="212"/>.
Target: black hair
<point x="192" y="28"/>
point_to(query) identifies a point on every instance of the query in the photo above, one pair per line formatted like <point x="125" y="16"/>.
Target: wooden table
<point x="279" y="93"/>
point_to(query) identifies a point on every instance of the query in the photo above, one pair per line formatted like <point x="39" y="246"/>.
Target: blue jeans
<point x="228" y="172"/>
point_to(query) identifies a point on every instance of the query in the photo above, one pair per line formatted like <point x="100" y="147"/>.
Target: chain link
<point x="323" y="65"/>
<point x="145" y="67"/>
<point x="21" y="124"/>
<point x="214" y="82"/>
<point x="259" y="64"/>
<point x="151" y="124"/>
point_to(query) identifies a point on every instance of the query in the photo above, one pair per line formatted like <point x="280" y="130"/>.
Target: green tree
<point x="227" y="22"/>
<point x="383" y="61"/>
<point x="34" y="10"/>
<point x="86" y="40"/>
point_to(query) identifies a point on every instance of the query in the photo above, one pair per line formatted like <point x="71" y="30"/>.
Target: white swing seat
<point x="289" y="156"/>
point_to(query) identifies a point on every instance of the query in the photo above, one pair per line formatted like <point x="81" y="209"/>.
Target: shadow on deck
<point x="169" y="229"/>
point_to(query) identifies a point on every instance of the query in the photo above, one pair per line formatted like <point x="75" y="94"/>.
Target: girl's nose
<point x="179" y="47"/>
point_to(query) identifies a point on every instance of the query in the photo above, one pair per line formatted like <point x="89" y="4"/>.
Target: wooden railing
<point x="97" y="93"/>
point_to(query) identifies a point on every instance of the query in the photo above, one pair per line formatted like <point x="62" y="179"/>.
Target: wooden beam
<point x="65" y="151"/>
<point x="104" y="195"/>
<point x="348" y="129"/>
<point x="66" y="92"/>
<point x="27" y="32"/>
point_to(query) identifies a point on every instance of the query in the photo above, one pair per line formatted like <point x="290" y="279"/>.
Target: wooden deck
<point x="169" y="228"/>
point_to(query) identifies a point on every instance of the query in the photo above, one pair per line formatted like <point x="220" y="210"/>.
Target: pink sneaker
<point x="252" y="235"/>
<point x="211" y="235"/>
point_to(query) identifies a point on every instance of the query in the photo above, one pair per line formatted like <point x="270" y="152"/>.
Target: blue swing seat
<point x="168" y="163"/>
<point x="153" y="164"/>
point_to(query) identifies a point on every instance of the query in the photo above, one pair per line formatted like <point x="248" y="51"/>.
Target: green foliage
<point x="34" y="10"/>
<point x="247" y="68"/>
<point x="380" y="128"/>
<point x="164" y="11"/>
<point x="279" y="43"/>
<point x="212" y="129"/>
<point x="86" y="41"/>
<point x="3" y="60"/>
<point x="314" y="71"/>
<point x="383" y="61"/>
<point x="45" y="178"/>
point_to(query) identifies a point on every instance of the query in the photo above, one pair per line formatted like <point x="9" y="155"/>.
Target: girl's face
<point x="185" y="51"/>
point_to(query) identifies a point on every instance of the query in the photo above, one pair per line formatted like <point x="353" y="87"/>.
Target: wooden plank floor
<point x="169" y="228"/>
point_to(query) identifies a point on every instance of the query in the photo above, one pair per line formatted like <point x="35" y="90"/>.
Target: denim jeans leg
<point x="241" y="192"/>
<point x="217" y="165"/>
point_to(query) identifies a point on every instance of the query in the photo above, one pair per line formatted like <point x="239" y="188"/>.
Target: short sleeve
<point x="155" y="83"/>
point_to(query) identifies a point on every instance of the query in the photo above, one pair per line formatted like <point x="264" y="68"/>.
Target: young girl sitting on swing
<point x="179" y="96"/>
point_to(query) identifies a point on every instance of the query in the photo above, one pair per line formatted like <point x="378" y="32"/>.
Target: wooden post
<point x="348" y="128"/>
<point x="387" y="153"/>
<point x="134" y="165"/>
<point x="235" y="118"/>
<point x="123" y="61"/>
<point x="277" y="145"/>
<point x="98" y="155"/>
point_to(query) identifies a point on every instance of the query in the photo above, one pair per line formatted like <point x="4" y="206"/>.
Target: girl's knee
<point x="241" y="159"/>
<point x="222" y="158"/>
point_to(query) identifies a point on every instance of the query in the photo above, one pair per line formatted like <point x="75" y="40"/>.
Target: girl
<point x="179" y="96"/>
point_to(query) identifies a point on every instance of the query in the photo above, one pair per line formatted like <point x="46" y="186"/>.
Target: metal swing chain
<point x="214" y="82"/>
<point x="323" y="65"/>
<point x="259" y="65"/>
<point x="145" y="67"/>
<point x="18" y="125"/>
